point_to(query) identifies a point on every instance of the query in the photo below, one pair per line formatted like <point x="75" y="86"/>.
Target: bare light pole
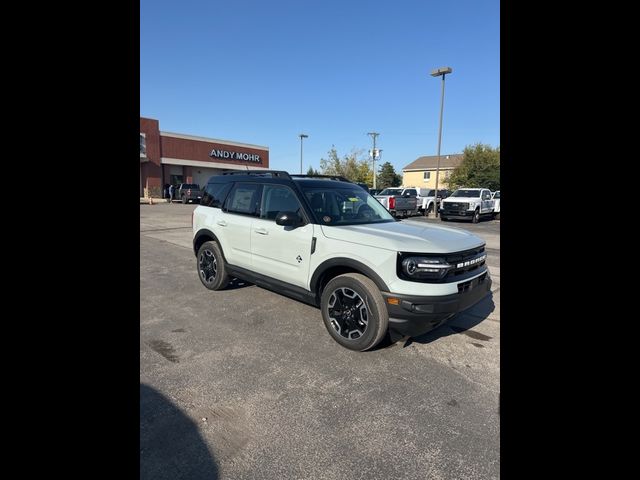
<point x="373" y="155"/>
<point x="302" y="135"/>
<point x="440" y="72"/>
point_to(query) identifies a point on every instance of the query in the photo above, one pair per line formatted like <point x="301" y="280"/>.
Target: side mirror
<point x="288" y="219"/>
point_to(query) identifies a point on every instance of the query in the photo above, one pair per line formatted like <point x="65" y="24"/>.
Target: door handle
<point x="222" y="223"/>
<point x="262" y="231"/>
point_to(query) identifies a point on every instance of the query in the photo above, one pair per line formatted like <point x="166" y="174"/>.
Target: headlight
<point x="425" y="268"/>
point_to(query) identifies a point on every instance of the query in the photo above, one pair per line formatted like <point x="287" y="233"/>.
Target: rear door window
<point x="215" y="193"/>
<point x="244" y="199"/>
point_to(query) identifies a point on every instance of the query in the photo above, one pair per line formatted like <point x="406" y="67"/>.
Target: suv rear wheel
<point x="354" y="311"/>
<point x="211" y="268"/>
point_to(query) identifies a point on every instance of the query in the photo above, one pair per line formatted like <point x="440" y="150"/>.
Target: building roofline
<point x="427" y="168"/>
<point x="211" y="140"/>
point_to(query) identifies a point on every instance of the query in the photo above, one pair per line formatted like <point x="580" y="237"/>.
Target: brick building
<point x="172" y="158"/>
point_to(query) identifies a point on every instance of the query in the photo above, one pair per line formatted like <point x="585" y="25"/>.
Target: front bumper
<point x="416" y="315"/>
<point x="457" y="213"/>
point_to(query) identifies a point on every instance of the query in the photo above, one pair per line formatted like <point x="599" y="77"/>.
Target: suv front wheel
<point x="211" y="268"/>
<point x="354" y="311"/>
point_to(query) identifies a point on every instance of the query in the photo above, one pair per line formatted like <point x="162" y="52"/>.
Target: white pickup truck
<point x="426" y="200"/>
<point x="496" y="206"/>
<point x="467" y="203"/>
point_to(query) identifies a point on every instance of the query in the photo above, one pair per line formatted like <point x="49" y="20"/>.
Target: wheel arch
<point x="205" y="235"/>
<point x="333" y="267"/>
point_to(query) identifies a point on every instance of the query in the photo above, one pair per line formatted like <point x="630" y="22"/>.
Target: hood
<point x="406" y="236"/>
<point x="461" y="199"/>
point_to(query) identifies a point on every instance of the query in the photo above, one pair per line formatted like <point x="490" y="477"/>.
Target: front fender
<point x="346" y="262"/>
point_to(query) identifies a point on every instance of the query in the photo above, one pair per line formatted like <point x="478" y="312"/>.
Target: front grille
<point x="455" y="206"/>
<point x="463" y="263"/>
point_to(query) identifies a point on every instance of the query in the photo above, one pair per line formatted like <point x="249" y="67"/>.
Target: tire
<point x="367" y="321"/>
<point x="217" y="278"/>
<point x="476" y="216"/>
<point x="444" y="219"/>
<point x="184" y="199"/>
<point x="496" y="216"/>
<point x="428" y="210"/>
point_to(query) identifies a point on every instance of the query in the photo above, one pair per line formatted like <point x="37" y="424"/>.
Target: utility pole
<point x="373" y="155"/>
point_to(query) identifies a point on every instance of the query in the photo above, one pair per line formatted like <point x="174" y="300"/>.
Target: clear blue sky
<point x="264" y="71"/>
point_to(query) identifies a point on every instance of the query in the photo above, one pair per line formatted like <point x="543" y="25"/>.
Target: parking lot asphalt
<point x="246" y="383"/>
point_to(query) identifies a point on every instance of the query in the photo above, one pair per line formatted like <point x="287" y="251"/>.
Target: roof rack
<point x="273" y="173"/>
<point x="330" y="177"/>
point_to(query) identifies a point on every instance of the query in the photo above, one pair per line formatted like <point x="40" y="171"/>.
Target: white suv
<point x="327" y="242"/>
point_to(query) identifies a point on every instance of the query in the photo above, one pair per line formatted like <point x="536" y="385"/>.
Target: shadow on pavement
<point x="461" y="323"/>
<point x="236" y="283"/>
<point x="170" y="443"/>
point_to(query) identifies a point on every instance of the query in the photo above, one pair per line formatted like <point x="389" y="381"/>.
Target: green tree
<point x="353" y="166"/>
<point x="387" y="176"/>
<point x="312" y="171"/>
<point x="480" y="167"/>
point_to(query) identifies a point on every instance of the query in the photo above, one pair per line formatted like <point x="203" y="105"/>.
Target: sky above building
<point x="262" y="72"/>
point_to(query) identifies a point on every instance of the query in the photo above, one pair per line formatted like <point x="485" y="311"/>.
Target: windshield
<point x="466" y="193"/>
<point x="348" y="205"/>
<point x="194" y="186"/>
<point x="391" y="191"/>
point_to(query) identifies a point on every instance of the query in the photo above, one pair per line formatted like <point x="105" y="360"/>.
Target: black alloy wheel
<point x="354" y="312"/>
<point x="211" y="267"/>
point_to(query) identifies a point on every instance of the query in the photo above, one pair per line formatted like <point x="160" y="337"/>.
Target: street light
<point x="440" y="72"/>
<point x="302" y="135"/>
